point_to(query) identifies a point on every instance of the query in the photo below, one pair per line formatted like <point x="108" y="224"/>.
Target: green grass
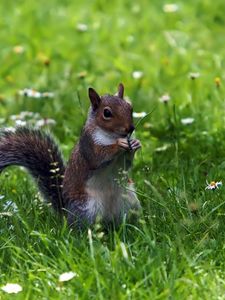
<point x="177" y="248"/>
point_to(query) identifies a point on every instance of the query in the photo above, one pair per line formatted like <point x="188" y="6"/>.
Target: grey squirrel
<point x="88" y="186"/>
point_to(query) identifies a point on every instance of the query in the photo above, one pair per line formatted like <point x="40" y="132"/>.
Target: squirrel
<point x="87" y="186"/>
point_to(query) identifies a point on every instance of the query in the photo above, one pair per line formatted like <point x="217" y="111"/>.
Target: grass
<point x="176" y="250"/>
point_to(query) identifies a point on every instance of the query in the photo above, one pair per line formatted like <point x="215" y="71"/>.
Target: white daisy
<point x="32" y="93"/>
<point x="67" y="276"/>
<point x="137" y="74"/>
<point x="170" y="8"/>
<point x="82" y="27"/>
<point x="141" y="114"/>
<point x="12" y="288"/>
<point x="193" y="75"/>
<point x="18" y="49"/>
<point x="20" y="123"/>
<point x="44" y="122"/>
<point x="187" y="121"/>
<point x="164" y="98"/>
<point x="213" y="185"/>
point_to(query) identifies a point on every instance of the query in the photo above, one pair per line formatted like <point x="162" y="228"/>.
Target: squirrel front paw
<point x="134" y="145"/>
<point x="123" y="143"/>
<point x="129" y="145"/>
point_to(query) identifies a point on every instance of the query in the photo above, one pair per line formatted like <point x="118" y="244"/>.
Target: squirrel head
<point x="112" y="113"/>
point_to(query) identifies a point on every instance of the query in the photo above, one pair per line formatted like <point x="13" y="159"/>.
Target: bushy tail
<point x="38" y="152"/>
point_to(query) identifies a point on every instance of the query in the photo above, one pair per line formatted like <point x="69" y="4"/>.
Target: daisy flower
<point x="141" y="114"/>
<point x="12" y="288"/>
<point x="82" y="27"/>
<point x="187" y="121"/>
<point x="213" y="185"/>
<point x="170" y="8"/>
<point x="44" y="122"/>
<point x="164" y="98"/>
<point x="67" y="276"/>
<point x="193" y="75"/>
<point x="32" y="93"/>
<point x="18" y="49"/>
<point x="137" y="74"/>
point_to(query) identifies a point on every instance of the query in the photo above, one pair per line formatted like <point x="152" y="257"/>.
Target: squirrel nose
<point x="131" y="129"/>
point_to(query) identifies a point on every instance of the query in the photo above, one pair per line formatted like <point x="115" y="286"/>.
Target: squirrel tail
<point x="39" y="153"/>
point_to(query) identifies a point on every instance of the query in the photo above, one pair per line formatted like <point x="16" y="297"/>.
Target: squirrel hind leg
<point x="77" y="216"/>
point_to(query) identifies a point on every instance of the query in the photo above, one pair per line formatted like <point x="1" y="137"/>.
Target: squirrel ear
<point x="94" y="98"/>
<point x="120" y="90"/>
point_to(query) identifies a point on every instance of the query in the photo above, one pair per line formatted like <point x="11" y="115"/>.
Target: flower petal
<point x="137" y="74"/>
<point x="67" y="276"/>
<point x="139" y="114"/>
<point x="187" y="121"/>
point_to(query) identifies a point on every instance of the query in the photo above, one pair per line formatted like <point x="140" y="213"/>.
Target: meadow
<point x="171" y="61"/>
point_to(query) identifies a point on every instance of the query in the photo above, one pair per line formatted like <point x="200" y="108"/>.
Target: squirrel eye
<point x="107" y="113"/>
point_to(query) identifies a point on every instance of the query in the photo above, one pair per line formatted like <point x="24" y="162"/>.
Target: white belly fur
<point x="106" y="197"/>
